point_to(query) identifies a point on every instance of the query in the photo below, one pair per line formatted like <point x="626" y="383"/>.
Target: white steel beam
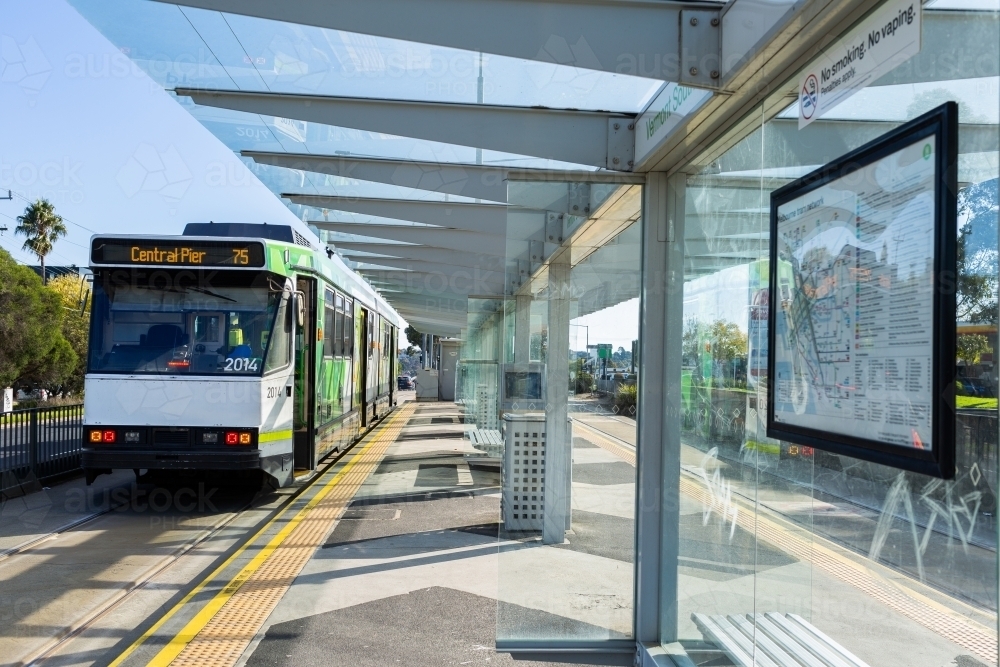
<point x="431" y="314"/>
<point x="467" y="180"/>
<point x="453" y="239"/>
<point x="596" y="138"/>
<point x="457" y="280"/>
<point x="471" y="216"/>
<point x="429" y="267"/>
<point x="424" y="286"/>
<point x="638" y="37"/>
<point x="444" y="304"/>
<point x="422" y="253"/>
<point x="430" y="325"/>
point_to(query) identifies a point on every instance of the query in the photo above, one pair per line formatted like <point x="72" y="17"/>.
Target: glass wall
<point x="568" y="406"/>
<point x="896" y="568"/>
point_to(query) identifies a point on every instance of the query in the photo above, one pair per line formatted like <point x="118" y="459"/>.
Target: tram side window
<point x="339" y="335"/>
<point x="279" y="351"/>
<point x="349" y="328"/>
<point x="329" y="315"/>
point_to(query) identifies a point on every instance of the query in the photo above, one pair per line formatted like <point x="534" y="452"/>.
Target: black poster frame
<point x="939" y="459"/>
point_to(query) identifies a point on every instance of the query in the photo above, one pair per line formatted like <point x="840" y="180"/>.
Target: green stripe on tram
<point x="275" y="435"/>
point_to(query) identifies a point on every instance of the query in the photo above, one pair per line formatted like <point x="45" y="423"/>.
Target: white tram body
<point x="231" y="347"/>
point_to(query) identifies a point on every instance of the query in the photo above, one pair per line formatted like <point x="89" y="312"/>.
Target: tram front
<point x="191" y="356"/>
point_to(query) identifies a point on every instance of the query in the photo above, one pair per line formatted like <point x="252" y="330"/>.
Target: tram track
<point x="130" y="589"/>
<point x="39" y="655"/>
<point x="76" y="523"/>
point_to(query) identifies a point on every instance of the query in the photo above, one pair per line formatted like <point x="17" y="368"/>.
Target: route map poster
<point x="855" y="293"/>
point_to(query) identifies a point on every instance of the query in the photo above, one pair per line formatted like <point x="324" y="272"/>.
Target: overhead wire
<point x="76" y="224"/>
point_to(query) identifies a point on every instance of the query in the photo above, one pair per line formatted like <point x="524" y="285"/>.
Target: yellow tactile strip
<point x="219" y="633"/>
<point x="605" y="442"/>
<point x="945" y="622"/>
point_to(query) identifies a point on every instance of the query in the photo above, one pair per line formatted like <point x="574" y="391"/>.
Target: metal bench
<point x="780" y="640"/>
<point x="487" y="440"/>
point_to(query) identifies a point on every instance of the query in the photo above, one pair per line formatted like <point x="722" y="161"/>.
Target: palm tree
<point x="42" y="226"/>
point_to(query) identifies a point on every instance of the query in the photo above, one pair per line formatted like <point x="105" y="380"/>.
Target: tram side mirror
<point x="300" y="309"/>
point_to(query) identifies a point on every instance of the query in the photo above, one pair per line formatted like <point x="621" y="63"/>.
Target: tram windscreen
<point x="187" y="327"/>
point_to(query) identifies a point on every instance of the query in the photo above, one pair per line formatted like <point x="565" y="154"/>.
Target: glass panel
<point x="280" y="348"/>
<point x="898" y="568"/>
<point x="568" y="407"/>
<point x="329" y="326"/>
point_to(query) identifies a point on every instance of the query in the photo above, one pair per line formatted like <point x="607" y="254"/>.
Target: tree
<point x="33" y="349"/>
<point x="970" y="347"/>
<point x="689" y="342"/>
<point x="976" y="285"/>
<point x="414" y="338"/>
<point x="72" y="290"/>
<point x="42" y="226"/>
<point x="728" y="342"/>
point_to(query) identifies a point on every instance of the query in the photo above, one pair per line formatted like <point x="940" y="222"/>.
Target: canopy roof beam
<point x="596" y="138"/>
<point x="429" y="267"/>
<point x="466" y="180"/>
<point x="458" y="281"/>
<point x="420" y="253"/>
<point x="641" y="38"/>
<point x="453" y="239"/>
<point x="474" y="217"/>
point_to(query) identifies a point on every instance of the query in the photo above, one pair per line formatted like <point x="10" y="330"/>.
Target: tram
<point x="231" y="347"/>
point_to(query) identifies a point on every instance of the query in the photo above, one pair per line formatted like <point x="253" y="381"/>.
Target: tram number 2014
<point x="242" y="365"/>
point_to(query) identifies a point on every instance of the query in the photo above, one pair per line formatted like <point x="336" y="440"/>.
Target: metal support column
<point x="558" y="441"/>
<point x="522" y="328"/>
<point x="657" y="503"/>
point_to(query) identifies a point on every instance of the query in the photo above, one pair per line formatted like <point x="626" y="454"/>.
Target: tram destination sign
<point x="178" y="251"/>
<point x="861" y="301"/>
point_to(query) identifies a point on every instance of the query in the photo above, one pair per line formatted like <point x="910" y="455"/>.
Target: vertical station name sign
<point x="862" y="301"/>
<point x="882" y="41"/>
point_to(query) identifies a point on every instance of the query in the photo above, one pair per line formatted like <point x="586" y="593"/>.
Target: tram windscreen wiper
<point x="208" y="292"/>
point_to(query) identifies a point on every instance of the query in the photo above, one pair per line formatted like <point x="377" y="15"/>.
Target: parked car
<point x="405" y="382"/>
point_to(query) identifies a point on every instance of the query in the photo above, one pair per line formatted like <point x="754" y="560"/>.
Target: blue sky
<point x="85" y="128"/>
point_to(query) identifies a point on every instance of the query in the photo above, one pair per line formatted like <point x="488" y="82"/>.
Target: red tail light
<point x="97" y="435"/>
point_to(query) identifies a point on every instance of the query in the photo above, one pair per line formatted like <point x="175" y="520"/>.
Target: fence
<point x="38" y="444"/>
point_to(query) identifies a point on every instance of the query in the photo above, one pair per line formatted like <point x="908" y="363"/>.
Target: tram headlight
<point x="209" y="438"/>
<point x="132" y="436"/>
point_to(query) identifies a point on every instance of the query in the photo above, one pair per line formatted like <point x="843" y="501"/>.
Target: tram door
<point x="362" y="360"/>
<point x="393" y="355"/>
<point x="304" y="421"/>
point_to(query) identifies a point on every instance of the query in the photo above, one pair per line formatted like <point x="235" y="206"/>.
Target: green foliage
<point x="42" y="226"/>
<point x="626" y="397"/>
<point x="722" y="340"/>
<point x="727" y="341"/>
<point x="413" y="337"/>
<point x="975" y="403"/>
<point x="971" y="347"/>
<point x="977" y="285"/>
<point x="73" y="292"/>
<point x="33" y="350"/>
<point x="581" y="382"/>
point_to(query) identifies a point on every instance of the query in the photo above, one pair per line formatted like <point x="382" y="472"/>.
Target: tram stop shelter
<point x="540" y="179"/>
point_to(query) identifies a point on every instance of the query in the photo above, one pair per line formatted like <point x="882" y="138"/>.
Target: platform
<point x="394" y="554"/>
